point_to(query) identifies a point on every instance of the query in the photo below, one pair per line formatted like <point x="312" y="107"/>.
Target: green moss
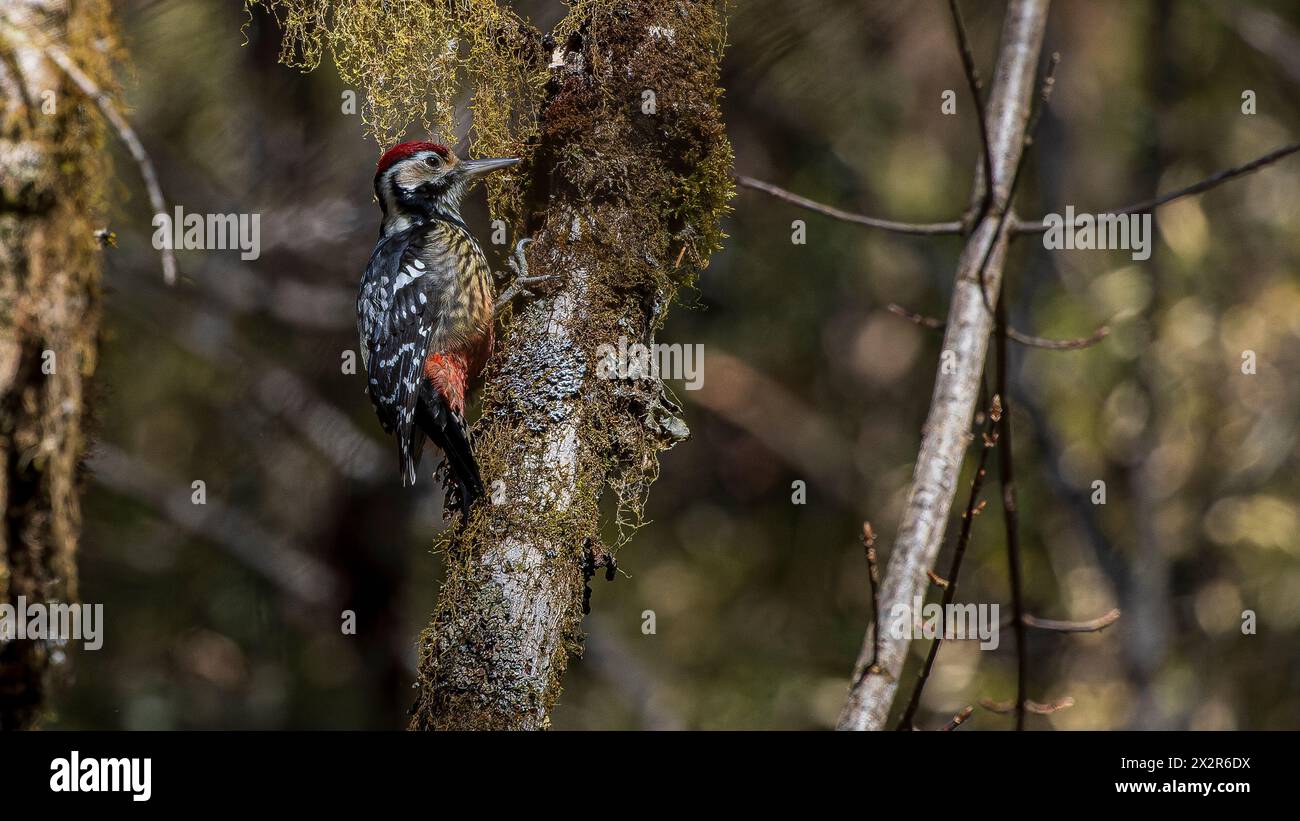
<point x="625" y="204"/>
<point x="411" y="58"/>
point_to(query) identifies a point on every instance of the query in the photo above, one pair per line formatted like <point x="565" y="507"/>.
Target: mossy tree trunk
<point x="51" y="171"/>
<point x="629" y="178"/>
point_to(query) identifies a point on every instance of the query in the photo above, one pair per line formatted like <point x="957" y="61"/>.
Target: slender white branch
<point x="947" y="428"/>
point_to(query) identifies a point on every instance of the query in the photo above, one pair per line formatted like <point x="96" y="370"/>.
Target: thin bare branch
<point x="934" y="323"/>
<point x="1090" y="626"/>
<point x="1011" y="512"/>
<point x="1037" y="708"/>
<point x="946" y="432"/>
<point x="116" y="120"/>
<point x="1212" y="181"/>
<point x="1026" y="140"/>
<point x="959" y="719"/>
<point x="917" y="229"/>
<point x="1058" y="344"/>
<point x="1016" y="336"/>
<point x="873" y="578"/>
<point x="959" y="552"/>
<point x="1006" y="460"/>
<point x="976" y="88"/>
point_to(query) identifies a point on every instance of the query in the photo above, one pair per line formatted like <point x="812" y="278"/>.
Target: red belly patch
<point x="448" y="373"/>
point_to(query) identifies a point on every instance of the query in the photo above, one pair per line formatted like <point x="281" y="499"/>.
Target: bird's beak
<point x="477" y="168"/>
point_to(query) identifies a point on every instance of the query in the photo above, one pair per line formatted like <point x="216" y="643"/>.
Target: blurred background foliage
<point x="228" y="615"/>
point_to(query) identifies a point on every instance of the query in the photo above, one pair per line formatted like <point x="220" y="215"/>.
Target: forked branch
<point x="935" y="478"/>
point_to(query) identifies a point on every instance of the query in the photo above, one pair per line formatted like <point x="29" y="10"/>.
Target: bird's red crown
<point x="403" y="150"/>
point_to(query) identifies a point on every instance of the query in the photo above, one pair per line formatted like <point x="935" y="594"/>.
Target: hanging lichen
<point x="410" y="59"/>
<point x="654" y="171"/>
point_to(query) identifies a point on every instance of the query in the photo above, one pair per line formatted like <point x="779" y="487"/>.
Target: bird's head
<point x="426" y="180"/>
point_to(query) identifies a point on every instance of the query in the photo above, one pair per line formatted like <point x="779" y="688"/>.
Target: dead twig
<point x="1037" y="708"/>
<point x="976" y="87"/>
<point x="1075" y="344"/>
<point x="1006" y="460"/>
<point x="959" y="719"/>
<point x="1058" y="626"/>
<point x="1026" y="140"/>
<point x="959" y="552"/>
<point x="1010" y="511"/>
<point x="917" y="229"/>
<point x="1212" y="181"/>
<point x="946" y="431"/>
<point x="873" y="578"/>
<point x="1019" y="337"/>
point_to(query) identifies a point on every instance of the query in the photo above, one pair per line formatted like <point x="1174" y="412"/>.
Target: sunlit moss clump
<point x="410" y="59"/>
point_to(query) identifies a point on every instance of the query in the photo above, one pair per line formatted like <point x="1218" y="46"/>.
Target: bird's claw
<point x="519" y="288"/>
<point x="518" y="262"/>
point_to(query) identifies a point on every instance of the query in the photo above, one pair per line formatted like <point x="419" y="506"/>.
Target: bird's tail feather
<point x="448" y="431"/>
<point x="409" y="448"/>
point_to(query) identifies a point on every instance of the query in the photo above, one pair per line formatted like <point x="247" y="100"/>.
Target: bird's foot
<point x="519" y="288"/>
<point x="518" y="262"/>
<point x="522" y="282"/>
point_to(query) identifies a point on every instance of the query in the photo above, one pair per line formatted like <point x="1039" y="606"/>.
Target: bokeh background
<point x="228" y="615"/>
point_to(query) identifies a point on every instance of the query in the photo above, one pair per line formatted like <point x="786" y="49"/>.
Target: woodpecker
<point x="425" y="308"/>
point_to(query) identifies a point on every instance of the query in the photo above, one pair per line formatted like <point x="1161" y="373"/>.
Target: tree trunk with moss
<point x="629" y="177"/>
<point x="51" y="171"/>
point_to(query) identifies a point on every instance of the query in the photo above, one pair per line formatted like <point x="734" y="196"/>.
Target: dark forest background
<point x="227" y="615"/>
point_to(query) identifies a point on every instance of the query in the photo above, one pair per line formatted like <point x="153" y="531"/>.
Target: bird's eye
<point x="434" y="162"/>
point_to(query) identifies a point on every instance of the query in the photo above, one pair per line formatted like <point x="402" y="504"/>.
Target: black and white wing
<point x="399" y="310"/>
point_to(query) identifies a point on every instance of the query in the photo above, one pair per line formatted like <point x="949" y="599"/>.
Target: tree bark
<point x="49" y="317"/>
<point x="947" y="428"/>
<point x="630" y="175"/>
